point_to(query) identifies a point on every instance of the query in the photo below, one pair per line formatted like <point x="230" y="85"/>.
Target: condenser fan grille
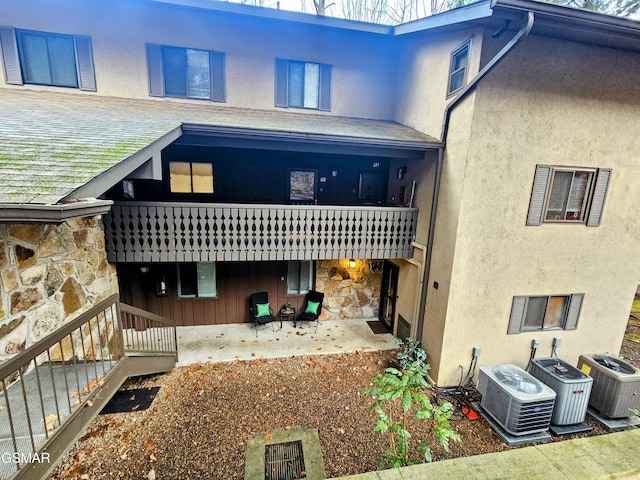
<point x="516" y="381"/>
<point x="612" y="364"/>
<point x="515" y="399"/>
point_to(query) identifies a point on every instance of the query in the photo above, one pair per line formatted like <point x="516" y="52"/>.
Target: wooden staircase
<point x="51" y="391"/>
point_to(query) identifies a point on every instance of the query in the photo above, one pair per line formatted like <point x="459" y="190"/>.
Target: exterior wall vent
<point x="404" y="328"/>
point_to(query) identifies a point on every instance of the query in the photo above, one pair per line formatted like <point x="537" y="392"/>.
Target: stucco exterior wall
<point x="423" y="76"/>
<point x="362" y="76"/>
<point x="423" y="172"/>
<point x="49" y="274"/>
<point x="549" y="102"/>
<point x="408" y="291"/>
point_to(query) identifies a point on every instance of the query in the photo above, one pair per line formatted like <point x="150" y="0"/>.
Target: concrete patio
<point x="226" y="343"/>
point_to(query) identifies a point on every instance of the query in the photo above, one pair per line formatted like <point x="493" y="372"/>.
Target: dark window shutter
<point x="573" y="312"/>
<point x="599" y="195"/>
<point x="84" y="54"/>
<point x="517" y="315"/>
<point x="10" y="56"/>
<point x="538" y="195"/>
<point x="154" y="66"/>
<point x="325" y="88"/>
<point x="282" y="81"/>
<point x="218" y="93"/>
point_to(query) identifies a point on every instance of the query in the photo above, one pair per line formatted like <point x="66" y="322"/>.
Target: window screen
<point x="299" y="276"/>
<point x="197" y="279"/>
<point x="458" y="67"/>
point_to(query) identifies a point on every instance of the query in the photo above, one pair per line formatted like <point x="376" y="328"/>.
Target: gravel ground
<point x="203" y="415"/>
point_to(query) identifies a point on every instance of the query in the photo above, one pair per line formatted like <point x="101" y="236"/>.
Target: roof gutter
<point x="470" y="87"/>
<point x="565" y="13"/>
<point x="32" y="213"/>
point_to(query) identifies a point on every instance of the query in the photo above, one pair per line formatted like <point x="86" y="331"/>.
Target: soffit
<point x="56" y="146"/>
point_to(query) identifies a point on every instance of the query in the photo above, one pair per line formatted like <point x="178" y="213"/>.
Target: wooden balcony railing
<point x="178" y="232"/>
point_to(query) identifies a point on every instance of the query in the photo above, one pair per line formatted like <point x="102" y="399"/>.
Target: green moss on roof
<point x="53" y="143"/>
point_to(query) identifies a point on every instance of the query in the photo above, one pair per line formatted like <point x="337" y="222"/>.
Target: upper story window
<point x="42" y="58"/>
<point x="303" y="85"/>
<point x="545" y="312"/>
<point x="458" y="67"/>
<point x="186" y="73"/>
<point x="187" y="177"/>
<point x="568" y="195"/>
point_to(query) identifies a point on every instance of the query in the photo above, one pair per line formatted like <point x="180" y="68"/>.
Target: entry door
<point x="388" y="294"/>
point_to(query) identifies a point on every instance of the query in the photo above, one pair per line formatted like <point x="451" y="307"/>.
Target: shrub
<point x="398" y="394"/>
<point x="410" y="352"/>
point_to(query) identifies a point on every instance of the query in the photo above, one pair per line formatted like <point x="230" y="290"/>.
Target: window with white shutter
<point x="568" y="195"/>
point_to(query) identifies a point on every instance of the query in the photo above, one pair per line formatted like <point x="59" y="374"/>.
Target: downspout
<point x="470" y="87"/>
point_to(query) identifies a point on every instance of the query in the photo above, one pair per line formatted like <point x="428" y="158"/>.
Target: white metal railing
<point x="178" y="232"/>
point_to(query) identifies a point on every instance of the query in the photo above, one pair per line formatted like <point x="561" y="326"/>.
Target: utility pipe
<point x="470" y="87"/>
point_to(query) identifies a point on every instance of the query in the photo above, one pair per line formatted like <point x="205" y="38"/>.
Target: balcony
<point x="194" y="232"/>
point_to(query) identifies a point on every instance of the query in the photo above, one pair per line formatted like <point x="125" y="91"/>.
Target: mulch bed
<point x="200" y="421"/>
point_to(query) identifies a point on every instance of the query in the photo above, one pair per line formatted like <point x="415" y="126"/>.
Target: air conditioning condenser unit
<point x="616" y="384"/>
<point x="572" y="387"/>
<point x="519" y="402"/>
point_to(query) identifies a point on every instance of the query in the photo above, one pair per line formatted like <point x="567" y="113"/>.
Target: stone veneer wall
<point x="49" y="274"/>
<point x="348" y="292"/>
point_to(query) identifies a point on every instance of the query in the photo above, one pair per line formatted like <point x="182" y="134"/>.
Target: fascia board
<point x="473" y="12"/>
<point x="57" y="213"/>
<point x="281" y="15"/>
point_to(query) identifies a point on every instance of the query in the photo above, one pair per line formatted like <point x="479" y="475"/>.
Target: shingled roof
<point x="51" y="144"/>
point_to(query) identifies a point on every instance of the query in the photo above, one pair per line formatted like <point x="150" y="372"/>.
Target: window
<point x="568" y="195"/>
<point x="302" y="186"/>
<point x="303" y="85"/>
<point x="458" y="67"/>
<point x="545" y="312"/>
<point x="186" y="177"/>
<point x="299" y="276"/>
<point x="197" y="280"/>
<point x="42" y="58"/>
<point x="186" y="73"/>
<point x="372" y="188"/>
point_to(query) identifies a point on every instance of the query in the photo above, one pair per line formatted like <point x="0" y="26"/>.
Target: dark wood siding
<point x="236" y="282"/>
<point x="262" y="176"/>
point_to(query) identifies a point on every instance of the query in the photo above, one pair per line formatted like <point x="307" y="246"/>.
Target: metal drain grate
<point x="284" y="461"/>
